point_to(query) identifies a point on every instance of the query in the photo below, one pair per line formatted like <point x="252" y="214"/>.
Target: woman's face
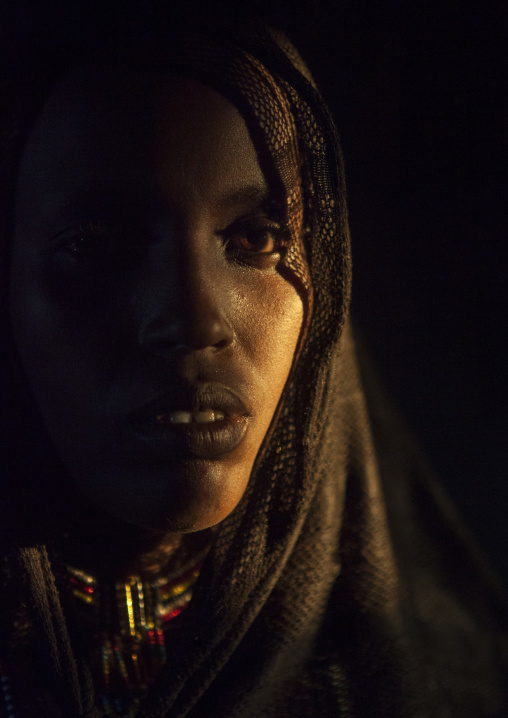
<point x="151" y="318"/>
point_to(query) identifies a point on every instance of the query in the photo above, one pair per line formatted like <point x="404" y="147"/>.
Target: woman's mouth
<point x="213" y="425"/>
<point x="190" y="417"/>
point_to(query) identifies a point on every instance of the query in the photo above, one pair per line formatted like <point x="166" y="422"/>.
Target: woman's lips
<point x="190" y="417"/>
<point x="205" y="422"/>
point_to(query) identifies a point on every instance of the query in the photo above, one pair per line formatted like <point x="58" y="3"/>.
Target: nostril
<point x="159" y="334"/>
<point x="202" y="333"/>
<point x="217" y="334"/>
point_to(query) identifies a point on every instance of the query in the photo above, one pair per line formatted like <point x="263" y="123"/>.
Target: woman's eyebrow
<point x="91" y="201"/>
<point x="248" y="197"/>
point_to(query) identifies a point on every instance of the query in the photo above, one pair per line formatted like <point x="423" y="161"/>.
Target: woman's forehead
<point x="156" y="135"/>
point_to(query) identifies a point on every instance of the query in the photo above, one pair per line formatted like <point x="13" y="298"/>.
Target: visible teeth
<point x="190" y="417"/>
<point x="177" y="417"/>
<point x="202" y="417"/>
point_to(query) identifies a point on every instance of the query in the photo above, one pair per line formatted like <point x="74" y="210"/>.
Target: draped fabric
<point x="342" y="584"/>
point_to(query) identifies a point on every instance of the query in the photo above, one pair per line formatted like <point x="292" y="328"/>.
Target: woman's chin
<point x="179" y="502"/>
<point x="153" y="519"/>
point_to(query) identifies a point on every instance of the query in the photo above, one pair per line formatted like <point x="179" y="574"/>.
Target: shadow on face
<point x="152" y="321"/>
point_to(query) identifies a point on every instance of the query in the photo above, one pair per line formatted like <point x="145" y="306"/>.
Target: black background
<point x="418" y="91"/>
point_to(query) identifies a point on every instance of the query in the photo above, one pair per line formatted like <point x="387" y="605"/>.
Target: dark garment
<point x="374" y="602"/>
<point x="377" y="606"/>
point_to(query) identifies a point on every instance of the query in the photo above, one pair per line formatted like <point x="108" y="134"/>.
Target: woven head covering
<point x="342" y="584"/>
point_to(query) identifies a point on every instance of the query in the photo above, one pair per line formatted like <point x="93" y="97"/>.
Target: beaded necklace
<point x="132" y="621"/>
<point x="127" y="627"/>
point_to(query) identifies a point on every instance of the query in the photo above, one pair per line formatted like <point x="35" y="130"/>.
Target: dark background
<point x="417" y="90"/>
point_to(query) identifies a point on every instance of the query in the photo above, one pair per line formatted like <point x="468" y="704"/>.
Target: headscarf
<point x="342" y="584"/>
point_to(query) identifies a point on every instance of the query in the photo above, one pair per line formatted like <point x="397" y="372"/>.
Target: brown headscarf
<point x="342" y="584"/>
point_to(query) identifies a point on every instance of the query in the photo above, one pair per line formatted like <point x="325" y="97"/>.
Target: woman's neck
<point x="104" y="546"/>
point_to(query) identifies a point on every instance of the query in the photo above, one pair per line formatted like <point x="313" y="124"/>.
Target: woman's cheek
<point x="271" y="309"/>
<point x="269" y="315"/>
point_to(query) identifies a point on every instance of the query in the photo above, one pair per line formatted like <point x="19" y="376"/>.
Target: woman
<point x="184" y="375"/>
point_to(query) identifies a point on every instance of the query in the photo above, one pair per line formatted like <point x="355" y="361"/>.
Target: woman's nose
<point x="189" y="315"/>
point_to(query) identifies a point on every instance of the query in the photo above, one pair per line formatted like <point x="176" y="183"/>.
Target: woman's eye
<point x="85" y="240"/>
<point x="92" y="246"/>
<point x="84" y="245"/>
<point x="256" y="241"/>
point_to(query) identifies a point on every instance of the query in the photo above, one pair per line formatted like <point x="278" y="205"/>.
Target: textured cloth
<point x="342" y="584"/>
